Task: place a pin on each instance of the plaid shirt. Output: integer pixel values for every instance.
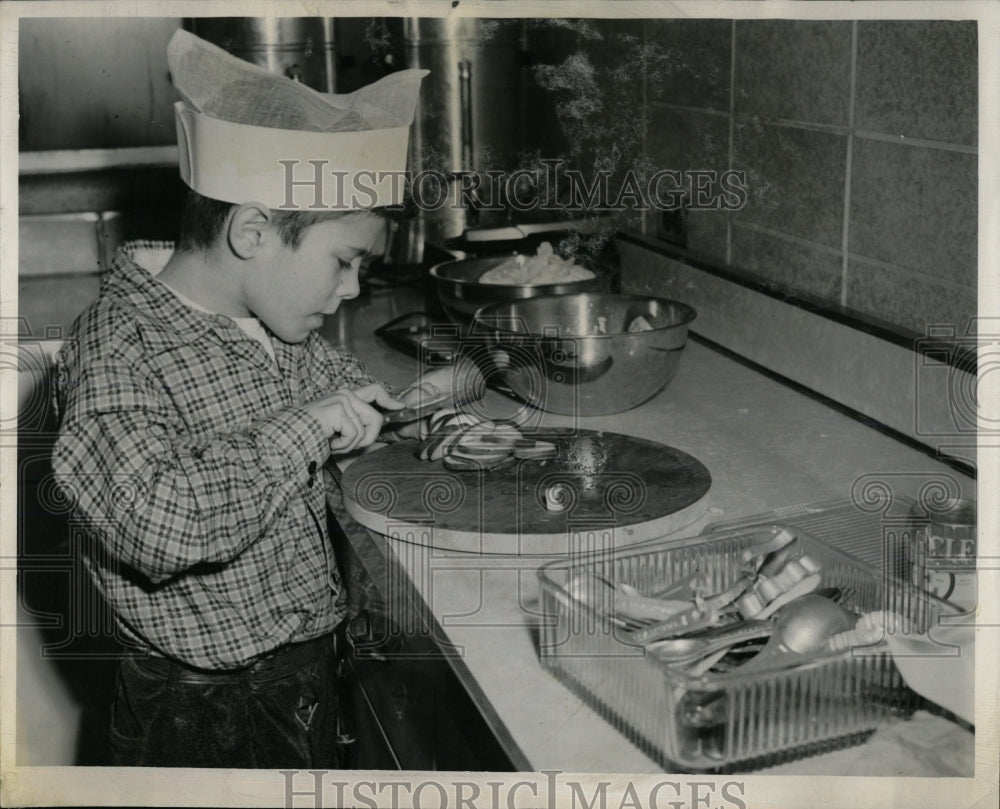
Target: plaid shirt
(183, 447)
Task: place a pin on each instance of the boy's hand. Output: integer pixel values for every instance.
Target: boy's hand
(348, 417)
(463, 382)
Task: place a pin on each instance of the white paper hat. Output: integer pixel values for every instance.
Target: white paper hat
(247, 135)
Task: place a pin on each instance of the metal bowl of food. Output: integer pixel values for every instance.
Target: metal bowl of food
(462, 293)
(586, 354)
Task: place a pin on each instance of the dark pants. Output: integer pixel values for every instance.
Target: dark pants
(281, 712)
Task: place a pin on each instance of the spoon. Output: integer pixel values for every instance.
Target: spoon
(694, 647)
(625, 605)
(801, 631)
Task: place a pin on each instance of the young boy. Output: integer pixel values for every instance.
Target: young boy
(199, 407)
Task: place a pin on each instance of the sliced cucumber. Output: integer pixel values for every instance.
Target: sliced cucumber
(539, 450)
(481, 452)
(442, 450)
(438, 419)
(506, 435)
(433, 442)
(423, 448)
(475, 437)
(462, 419)
(460, 464)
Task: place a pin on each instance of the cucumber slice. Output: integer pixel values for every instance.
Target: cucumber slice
(450, 440)
(541, 449)
(438, 419)
(462, 419)
(475, 437)
(423, 448)
(481, 452)
(506, 435)
(433, 442)
(460, 464)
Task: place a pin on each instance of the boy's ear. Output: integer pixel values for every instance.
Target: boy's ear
(247, 228)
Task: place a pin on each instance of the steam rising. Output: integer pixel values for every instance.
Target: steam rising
(576, 79)
(597, 78)
(378, 38)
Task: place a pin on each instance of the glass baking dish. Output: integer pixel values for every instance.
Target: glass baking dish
(720, 722)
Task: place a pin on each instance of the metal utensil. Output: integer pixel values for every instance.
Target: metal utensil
(627, 605)
(690, 649)
(797, 591)
(461, 294)
(417, 412)
(562, 362)
(800, 634)
(714, 645)
(599, 594)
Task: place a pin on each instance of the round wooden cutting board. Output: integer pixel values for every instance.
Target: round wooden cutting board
(624, 490)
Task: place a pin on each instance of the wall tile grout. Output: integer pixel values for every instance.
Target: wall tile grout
(791, 123)
(648, 225)
(670, 105)
(937, 279)
(846, 235)
(646, 114)
(732, 132)
(833, 129)
(851, 256)
(836, 129)
(922, 143)
(789, 237)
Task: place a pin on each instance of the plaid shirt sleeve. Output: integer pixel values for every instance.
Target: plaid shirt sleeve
(166, 503)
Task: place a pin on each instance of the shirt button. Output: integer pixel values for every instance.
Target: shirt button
(313, 466)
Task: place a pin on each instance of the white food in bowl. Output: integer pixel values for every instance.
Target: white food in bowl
(543, 268)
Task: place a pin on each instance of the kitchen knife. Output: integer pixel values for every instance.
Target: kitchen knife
(417, 412)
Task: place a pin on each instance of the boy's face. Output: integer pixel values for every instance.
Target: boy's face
(292, 288)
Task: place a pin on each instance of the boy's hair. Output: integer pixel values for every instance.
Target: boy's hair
(203, 220)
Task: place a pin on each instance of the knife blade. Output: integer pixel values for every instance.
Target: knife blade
(417, 412)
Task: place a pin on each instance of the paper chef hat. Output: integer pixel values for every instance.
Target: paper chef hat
(247, 135)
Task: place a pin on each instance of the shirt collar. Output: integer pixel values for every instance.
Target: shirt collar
(167, 321)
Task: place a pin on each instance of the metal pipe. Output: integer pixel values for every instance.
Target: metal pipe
(465, 102)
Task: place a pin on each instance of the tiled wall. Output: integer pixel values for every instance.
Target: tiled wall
(859, 140)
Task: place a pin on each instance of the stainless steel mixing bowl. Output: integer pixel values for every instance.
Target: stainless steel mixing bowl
(551, 355)
(461, 294)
